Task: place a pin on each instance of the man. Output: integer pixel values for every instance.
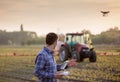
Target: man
(46, 68)
(58, 46)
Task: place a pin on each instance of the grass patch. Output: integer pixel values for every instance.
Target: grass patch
(20, 68)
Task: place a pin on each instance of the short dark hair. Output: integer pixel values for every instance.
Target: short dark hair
(51, 38)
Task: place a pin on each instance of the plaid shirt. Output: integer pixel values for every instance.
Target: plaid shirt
(45, 66)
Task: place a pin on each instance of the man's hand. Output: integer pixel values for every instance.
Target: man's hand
(72, 62)
(58, 75)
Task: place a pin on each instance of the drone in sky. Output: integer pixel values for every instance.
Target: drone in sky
(105, 13)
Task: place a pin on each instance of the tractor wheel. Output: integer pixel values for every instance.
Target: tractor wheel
(76, 55)
(81, 59)
(92, 56)
(63, 54)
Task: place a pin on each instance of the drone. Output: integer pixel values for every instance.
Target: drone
(105, 13)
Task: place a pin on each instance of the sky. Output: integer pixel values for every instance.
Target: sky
(59, 16)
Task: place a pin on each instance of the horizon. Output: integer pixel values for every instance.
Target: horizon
(55, 32)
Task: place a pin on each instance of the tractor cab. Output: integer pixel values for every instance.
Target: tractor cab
(79, 38)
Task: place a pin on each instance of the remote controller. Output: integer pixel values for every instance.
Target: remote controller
(64, 72)
(64, 65)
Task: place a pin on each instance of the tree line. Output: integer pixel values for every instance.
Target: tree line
(19, 38)
(111, 36)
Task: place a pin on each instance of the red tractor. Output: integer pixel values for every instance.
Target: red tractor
(77, 46)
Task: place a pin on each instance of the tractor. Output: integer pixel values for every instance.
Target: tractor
(77, 46)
